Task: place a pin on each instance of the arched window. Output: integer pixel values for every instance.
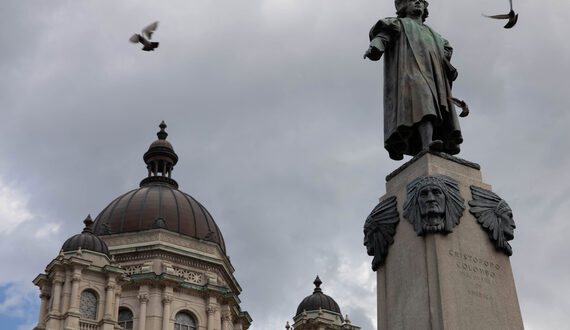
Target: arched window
(88, 305)
(125, 318)
(184, 321)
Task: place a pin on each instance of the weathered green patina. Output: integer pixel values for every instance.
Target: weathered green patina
(418, 110)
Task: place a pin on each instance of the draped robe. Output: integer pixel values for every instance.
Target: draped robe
(417, 85)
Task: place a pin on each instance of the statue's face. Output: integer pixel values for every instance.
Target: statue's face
(508, 225)
(415, 8)
(368, 243)
(431, 201)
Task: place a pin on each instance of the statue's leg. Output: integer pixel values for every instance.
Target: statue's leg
(425, 129)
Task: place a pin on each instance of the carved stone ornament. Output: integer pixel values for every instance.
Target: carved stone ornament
(379, 230)
(495, 216)
(434, 204)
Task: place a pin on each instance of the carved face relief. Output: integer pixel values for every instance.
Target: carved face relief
(495, 216)
(434, 204)
(368, 242)
(431, 202)
(508, 225)
(379, 230)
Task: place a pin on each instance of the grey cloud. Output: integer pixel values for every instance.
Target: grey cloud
(276, 119)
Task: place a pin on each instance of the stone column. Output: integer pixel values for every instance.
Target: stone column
(109, 298)
(238, 326)
(227, 321)
(74, 297)
(57, 283)
(72, 319)
(166, 311)
(66, 290)
(211, 311)
(44, 296)
(217, 318)
(143, 299)
(117, 303)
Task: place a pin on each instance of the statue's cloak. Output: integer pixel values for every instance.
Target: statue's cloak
(417, 85)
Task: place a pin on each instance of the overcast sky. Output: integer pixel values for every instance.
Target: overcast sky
(276, 119)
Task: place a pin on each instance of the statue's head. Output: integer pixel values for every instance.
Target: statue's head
(405, 7)
(433, 204)
(504, 212)
(495, 215)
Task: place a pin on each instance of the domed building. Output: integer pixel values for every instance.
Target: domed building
(153, 259)
(320, 312)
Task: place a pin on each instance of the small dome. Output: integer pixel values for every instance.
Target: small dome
(158, 203)
(318, 300)
(86, 240)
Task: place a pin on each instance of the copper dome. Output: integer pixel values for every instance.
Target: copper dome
(158, 203)
(86, 240)
(318, 300)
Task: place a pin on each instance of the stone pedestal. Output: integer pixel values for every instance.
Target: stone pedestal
(444, 281)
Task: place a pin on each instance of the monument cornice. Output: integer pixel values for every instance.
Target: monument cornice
(443, 155)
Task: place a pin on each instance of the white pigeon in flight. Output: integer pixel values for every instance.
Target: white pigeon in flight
(145, 37)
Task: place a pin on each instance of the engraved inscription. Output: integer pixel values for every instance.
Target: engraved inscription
(475, 264)
(480, 272)
(479, 294)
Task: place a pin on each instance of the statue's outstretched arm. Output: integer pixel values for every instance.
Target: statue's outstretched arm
(381, 35)
(375, 50)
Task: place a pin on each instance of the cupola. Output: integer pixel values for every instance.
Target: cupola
(158, 203)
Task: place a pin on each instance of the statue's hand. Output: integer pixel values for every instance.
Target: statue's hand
(368, 53)
(373, 53)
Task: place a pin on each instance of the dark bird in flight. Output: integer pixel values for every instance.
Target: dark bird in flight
(145, 37)
(511, 16)
(460, 103)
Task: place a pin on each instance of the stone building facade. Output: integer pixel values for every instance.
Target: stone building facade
(154, 259)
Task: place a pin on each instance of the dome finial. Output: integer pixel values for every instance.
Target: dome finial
(318, 300)
(87, 240)
(88, 224)
(162, 133)
(317, 284)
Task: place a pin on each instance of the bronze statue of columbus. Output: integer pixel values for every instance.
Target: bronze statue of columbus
(419, 111)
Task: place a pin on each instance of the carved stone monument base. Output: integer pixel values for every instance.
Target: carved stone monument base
(449, 281)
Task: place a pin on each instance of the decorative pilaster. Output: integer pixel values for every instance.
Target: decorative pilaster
(57, 285)
(44, 296)
(166, 301)
(117, 303)
(211, 311)
(217, 318)
(74, 298)
(66, 291)
(72, 319)
(227, 321)
(109, 299)
(143, 299)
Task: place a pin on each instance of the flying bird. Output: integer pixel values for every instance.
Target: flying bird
(511, 16)
(145, 37)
